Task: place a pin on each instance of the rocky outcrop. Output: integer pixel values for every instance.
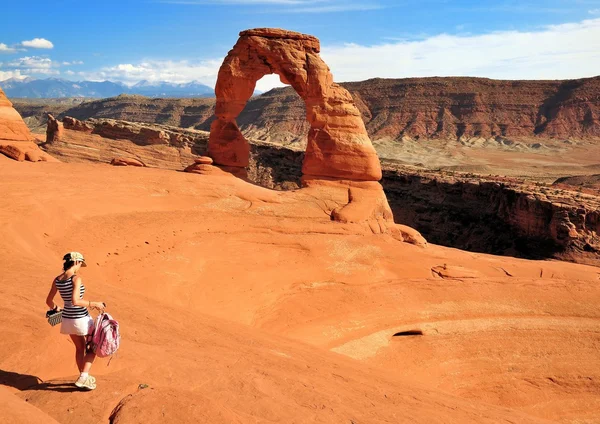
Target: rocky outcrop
(184, 113)
(139, 133)
(584, 183)
(76, 125)
(16, 142)
(12, 127)
(54, 129)
(338, 144)
(127, 162)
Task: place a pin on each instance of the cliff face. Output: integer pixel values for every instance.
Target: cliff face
(451, 108)
(499, 216)
(446, 108)
(417, 108)
(141, 134)
(183, 113)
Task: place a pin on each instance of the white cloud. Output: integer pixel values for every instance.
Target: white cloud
(4, 75)
(5, 49)
(74, 62)
(594, 12)
(69, 72)
(553, 52)
(38, 43)
(159, 70)
(32, 65)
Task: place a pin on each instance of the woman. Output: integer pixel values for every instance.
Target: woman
(76, 320)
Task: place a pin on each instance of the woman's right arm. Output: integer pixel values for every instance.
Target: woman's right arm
(80, 302)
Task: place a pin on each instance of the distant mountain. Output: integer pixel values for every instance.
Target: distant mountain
(168, 89)
(59, 88)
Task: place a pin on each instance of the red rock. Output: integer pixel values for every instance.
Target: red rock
(126, 162)
(205, 160)
(12, 152)
(77, 125)
(54, 129)
(36, 155)
(338, 144)
(12, 126)
(25, 150)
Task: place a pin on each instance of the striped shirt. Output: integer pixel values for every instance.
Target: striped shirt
(65, 288)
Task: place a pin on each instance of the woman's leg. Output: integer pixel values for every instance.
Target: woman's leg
(89, 357)
(79, 342)
(88, 360)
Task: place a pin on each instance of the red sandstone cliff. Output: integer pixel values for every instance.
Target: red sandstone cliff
(446, 108)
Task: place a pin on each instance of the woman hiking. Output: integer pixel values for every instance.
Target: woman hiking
(76, 319)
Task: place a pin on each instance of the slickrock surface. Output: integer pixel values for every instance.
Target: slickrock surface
(516, 341)
(13, 410)
(338, 145)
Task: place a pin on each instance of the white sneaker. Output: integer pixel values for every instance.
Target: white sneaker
(87, 383)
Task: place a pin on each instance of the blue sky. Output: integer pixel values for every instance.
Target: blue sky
(184, 40)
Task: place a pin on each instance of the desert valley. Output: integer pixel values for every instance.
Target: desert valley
(422, 250)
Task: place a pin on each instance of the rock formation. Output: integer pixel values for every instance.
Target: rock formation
(338, 144)
(340, 163)
(139, 133)
(127, 162)
(104, 140)
(16, 142)
(54, 129)
(77, 125)
(12, 127)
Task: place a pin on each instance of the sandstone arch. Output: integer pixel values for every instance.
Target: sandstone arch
(338, 144)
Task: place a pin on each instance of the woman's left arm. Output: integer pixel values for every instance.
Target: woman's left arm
(50, 298)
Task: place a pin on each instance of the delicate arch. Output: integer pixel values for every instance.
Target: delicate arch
(338, 143)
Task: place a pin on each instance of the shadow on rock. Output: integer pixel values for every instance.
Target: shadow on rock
(31, 382)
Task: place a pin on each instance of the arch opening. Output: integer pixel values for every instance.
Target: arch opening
(337, 143)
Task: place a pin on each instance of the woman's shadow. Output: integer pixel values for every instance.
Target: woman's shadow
(24, 382)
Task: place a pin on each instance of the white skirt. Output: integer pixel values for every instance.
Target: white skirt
(78, 326)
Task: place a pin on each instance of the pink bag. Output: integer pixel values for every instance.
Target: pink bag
(106, 337)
